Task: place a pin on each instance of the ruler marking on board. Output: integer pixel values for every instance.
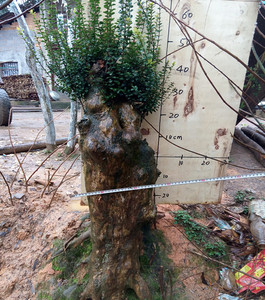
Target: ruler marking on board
(150, 186)
(161, 113)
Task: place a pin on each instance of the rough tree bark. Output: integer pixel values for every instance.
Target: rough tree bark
(37, 79)
(253, 145)
(114, 156)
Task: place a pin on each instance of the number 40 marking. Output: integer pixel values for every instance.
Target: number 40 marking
(181, 69)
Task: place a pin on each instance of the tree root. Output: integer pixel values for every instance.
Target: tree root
(135, 282)
(138, 284)
(73, 242)
(251, 144)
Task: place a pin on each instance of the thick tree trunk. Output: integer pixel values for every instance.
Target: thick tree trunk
(72, 128)
(247, 141)
(37, 80)
(256, 136)
(114, 156)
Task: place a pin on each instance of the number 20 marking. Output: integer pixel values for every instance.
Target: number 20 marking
(173, 116)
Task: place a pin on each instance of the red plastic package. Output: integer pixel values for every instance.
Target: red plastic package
(256, 268)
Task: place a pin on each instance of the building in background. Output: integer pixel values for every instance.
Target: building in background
(12, 46)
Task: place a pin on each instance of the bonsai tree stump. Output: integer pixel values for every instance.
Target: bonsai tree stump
(115, 156)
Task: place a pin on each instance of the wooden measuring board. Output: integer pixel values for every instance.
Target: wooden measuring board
(194, 116)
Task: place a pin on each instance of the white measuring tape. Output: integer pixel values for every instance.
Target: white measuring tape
(151, 186)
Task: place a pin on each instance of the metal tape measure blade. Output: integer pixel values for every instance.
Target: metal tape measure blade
(150, 186)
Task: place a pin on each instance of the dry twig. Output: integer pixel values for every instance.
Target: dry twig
(200, 154)
(50, 179)
(19, 162)
(8, 187)
(63, 180)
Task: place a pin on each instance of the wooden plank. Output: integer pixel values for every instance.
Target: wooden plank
(195, 117)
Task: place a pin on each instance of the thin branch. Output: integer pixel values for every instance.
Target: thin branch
(19, 15)
(263, 6)
(55, 150)
(66, 179)
(260, 126)
(223, 264)
(66, 158)
(12, 145)
(200, 154)
(72, 176)
(63, 180)
(177, 50)
(234, 86)
(209, 258)
(247, 146)
(260, 32)
(5, 4)
(8, 187)
(39, 132)
(182, 26)
(260, 64)
(256, 42)
(250, 114)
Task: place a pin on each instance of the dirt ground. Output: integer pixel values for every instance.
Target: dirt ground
(29, 227)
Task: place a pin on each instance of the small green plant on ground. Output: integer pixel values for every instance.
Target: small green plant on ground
(242, 196)
(215, 249)
(44, 296)
(193, 230)
(245, 211)
(200, 235)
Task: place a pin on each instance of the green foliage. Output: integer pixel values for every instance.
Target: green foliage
(115, 56)
(193, 230)
(44, 296)
(242, 196)
(253, 81)
(245, 211)
(199, 235)
(215, 249)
